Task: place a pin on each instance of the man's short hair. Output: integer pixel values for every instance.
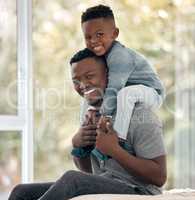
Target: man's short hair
(85, 53)
(100, 11)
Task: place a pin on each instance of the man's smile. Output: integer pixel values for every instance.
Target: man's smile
(89, 91)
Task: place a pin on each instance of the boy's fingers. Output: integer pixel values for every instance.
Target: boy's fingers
(86, 120)
(109, 127)
(89, 143)
(90, 127)
(90, 138)
(90, 133)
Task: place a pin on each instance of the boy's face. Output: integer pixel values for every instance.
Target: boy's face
(99, 34)
(89, 78)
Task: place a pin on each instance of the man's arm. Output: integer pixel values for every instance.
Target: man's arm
(84, 164)
(152, 170)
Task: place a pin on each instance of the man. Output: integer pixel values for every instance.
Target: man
(137, 167)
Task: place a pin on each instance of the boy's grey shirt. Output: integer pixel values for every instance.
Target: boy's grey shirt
(145, 140)
(127, 67)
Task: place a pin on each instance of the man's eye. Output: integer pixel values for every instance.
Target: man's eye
(87, 37)
(89, 76)
(76, 82)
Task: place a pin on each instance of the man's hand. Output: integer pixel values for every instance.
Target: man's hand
(107, 142)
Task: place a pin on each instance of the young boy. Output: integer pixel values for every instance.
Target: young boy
(131, 79)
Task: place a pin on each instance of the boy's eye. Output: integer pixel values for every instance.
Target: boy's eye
(99, 34)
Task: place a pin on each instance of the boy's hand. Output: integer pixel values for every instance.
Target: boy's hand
(91, 117)
(107, 142)
(86, 135)
(102, 123)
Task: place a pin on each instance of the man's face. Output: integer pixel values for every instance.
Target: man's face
(90, 78)
(99, 34)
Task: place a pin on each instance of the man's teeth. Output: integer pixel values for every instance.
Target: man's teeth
(89, 91)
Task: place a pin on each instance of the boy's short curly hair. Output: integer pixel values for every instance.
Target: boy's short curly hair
(100, 11)
(85, 53)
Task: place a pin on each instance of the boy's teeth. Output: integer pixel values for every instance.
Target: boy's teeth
(97, 48)
(89, 91)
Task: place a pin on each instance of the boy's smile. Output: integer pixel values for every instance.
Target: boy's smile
(99, 34)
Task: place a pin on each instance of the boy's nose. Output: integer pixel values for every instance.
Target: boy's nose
(94, 39)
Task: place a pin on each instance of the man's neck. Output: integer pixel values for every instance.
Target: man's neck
(93, 108)
(96, 106)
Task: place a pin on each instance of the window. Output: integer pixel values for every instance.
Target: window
(10, 161)
(185, 96)
(56, 110)
(16, 108)
(8, 75)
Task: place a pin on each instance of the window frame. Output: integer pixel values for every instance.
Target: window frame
(23, 121)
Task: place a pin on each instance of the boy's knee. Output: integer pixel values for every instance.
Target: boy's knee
(128, 94)
(122, 97)
(124, 92)
(130, 90)
(121, 93)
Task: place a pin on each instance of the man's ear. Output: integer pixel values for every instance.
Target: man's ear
(116, 33)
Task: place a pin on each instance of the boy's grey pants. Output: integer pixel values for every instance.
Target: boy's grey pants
(72, 184)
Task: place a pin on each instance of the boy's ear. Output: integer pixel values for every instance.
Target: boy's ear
(116, 33)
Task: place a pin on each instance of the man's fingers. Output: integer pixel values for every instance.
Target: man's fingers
(100, 131)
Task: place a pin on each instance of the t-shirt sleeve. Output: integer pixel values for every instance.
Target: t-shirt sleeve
(148, 140)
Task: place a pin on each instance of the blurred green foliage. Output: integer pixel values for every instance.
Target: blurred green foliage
(147, 26)
(8, 54)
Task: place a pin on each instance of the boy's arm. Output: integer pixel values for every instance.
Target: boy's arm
(85, 136)
(120, 65)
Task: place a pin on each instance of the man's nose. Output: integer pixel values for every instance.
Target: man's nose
(83, 85)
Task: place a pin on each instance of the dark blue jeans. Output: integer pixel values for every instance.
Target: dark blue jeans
(72, 184)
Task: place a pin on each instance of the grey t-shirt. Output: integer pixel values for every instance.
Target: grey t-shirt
(145, 140)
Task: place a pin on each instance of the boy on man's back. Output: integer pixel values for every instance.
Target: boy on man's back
(131, 78)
